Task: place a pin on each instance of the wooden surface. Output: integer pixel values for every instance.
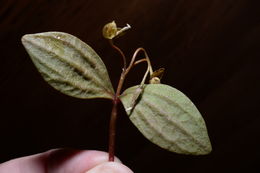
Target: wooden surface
(210, 49)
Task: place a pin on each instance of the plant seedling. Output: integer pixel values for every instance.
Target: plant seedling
(163, 114)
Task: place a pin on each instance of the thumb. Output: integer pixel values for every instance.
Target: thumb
(110, 167)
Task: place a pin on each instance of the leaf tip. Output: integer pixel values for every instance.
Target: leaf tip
(207, 149)
(25, 39)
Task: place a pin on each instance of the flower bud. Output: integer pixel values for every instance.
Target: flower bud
(110, 30)
(156, 76)
(155, 80)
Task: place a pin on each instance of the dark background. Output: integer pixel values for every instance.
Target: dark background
(210, 49)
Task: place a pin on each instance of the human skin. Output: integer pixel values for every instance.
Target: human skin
(65, 161)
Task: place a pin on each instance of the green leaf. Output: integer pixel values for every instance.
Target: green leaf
(69, 65)
(168, 118)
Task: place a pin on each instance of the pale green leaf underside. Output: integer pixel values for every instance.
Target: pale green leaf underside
(169, 119)
(69, 65)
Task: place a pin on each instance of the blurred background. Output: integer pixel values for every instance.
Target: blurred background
(209, 48)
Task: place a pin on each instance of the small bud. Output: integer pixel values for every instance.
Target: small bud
(155, 80)
(156, 76)
(110, 30)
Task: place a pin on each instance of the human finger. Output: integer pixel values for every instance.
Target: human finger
(107, 167)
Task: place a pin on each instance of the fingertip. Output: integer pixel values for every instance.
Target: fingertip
(109, 167)
(74, 161)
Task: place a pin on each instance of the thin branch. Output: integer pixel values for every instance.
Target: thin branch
(120, 51)
(132, 63)
(140, 61)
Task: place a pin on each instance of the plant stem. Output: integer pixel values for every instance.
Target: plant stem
(116, 100)
(112, 125)
(112, 131)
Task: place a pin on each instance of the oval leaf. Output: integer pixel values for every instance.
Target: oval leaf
(69, 65)
(168, 118)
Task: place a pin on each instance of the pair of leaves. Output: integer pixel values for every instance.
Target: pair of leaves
(162, 114)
